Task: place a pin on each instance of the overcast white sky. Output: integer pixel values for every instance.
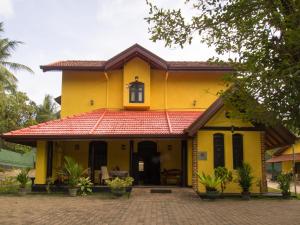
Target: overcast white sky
(55, 30)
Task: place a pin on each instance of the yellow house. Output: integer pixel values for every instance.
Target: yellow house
(156, 120)
(287, 155)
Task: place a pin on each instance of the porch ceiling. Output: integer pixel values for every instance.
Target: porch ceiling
(109, 124)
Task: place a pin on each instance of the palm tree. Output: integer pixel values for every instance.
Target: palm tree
(47, 111)
(7, 78)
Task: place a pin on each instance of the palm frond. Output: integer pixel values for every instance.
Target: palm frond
(16, 66)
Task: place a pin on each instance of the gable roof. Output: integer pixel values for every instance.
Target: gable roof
(105, 123)
(276, 136)
(136, 50)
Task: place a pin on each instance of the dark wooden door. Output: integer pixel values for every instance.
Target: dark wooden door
(148, 163)
(97, 156)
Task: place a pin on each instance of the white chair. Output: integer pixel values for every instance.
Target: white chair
(104, 174)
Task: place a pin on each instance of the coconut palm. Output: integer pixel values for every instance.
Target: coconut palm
(47, 111)
(7, 78)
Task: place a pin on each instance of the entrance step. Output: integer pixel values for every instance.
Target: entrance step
(160, 190)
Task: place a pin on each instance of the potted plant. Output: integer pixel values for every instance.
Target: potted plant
(23, 179)
(73, 170)
(245, 180)
(211, 183)
(85, 186)
(225, 176)
(118, 186)
(284, 181)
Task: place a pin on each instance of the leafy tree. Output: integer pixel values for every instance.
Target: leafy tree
(16, 109)
(261, 39)
(47, 111)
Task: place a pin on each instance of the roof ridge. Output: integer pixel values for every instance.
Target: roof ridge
(168, 121)
(97, 123)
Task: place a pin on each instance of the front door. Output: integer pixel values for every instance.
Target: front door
(148, 163)
(97, 157)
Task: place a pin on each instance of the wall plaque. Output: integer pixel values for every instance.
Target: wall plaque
(202, 155)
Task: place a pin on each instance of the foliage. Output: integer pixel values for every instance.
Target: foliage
(23, 177)
(85, 185)
(16, 110)
(47, 111)
(225, 175)
(73, 171)
(118, 183)
(210, 182)
(245, 178)
(260, 40)
(284, 180)
(9, 185)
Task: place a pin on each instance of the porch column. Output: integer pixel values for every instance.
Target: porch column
(49, 159)
(131, 145)
(91, 162)
(264, 185)
(195, 162)
(184, 163)
(41, 163)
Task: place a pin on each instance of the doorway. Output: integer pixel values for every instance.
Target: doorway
(97, 158)
(148, 163)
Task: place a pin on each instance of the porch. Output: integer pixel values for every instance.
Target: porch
(157, 161)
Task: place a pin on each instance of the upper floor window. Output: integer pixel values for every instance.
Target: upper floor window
(136, 92)
(238, 151)
(219, 158)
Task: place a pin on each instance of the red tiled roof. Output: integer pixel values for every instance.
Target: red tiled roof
(283, 158)
(104, 123)
(136, 50)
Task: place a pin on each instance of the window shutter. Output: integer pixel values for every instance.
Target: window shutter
(219, 159)
(238, 150)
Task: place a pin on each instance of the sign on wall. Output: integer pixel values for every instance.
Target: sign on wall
(202, 155)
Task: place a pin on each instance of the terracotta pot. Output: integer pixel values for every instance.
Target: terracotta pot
(73, 192)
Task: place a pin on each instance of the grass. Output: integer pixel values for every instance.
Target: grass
(274, 190)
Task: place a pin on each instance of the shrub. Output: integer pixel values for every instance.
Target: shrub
(85, 185)
(284, 181)
(225, 175)
(118, 186)
(9, 185)
(23, 177)
(210, 182)
(245, 178)
(73, 171)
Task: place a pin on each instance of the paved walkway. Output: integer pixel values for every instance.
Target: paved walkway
(182, 207)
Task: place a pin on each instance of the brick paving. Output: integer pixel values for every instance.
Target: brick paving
(182, 207)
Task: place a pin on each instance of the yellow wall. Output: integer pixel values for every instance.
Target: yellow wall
(251, 147)
(288, 165)
(141, 69)
(252, 155)
(41, 162)
(183, 88)
(220, 120)
(174, 91)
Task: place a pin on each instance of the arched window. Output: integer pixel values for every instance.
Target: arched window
(136, 92)
(219, 150)
(238, 150)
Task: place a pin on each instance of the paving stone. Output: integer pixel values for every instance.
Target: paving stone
(181, 207)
